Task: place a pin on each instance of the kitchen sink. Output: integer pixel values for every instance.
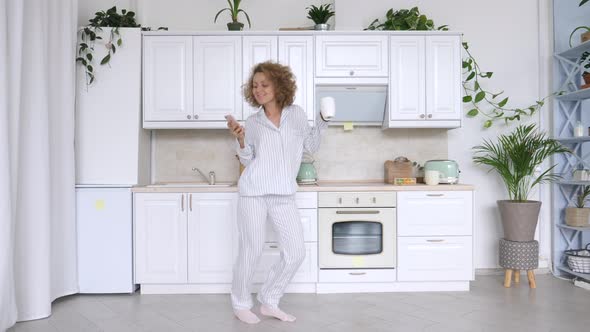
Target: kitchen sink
(192, 185)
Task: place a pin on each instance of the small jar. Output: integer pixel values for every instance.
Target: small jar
(579, 129)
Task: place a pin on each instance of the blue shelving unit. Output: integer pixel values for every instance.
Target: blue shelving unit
(568, 110)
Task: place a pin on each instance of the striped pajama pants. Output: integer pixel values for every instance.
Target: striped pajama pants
(253, 212)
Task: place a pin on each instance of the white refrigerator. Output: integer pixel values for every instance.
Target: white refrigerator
(112, 155)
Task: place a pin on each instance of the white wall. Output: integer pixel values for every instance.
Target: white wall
(503, 35)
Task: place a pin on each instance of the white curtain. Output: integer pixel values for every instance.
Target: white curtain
(37, 190)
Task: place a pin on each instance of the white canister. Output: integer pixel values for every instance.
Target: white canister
(579, 129)
(328, 108)
(431, 178)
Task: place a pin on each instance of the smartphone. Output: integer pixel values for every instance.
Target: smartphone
(231, 119)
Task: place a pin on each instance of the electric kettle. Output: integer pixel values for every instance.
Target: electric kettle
(307, 173)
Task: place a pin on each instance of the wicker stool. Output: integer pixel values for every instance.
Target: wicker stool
(516, 256)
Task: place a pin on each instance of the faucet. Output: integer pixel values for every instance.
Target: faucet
(210, 179)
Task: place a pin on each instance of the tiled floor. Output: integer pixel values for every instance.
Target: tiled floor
(556, 305)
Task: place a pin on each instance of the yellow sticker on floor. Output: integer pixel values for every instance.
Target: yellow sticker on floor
(358, 261)
(99, 204)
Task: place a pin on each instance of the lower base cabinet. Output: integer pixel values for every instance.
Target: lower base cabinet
(308, 271)
(435, 258)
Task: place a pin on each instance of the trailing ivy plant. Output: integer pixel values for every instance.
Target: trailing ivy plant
(109, 18)
(475, 95)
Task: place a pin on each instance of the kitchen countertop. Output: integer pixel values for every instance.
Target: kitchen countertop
(320, 186)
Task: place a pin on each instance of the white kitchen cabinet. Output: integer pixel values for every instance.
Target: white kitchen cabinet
(191, 81)
(184, 238)
(217, 76)
(307, 272)
(212, 237)
(351, 56)
(435, 258)
(256, 49)
(297, 53)
(425, 82)
(160, 246)
(167, 78)
(424, 213)
(435, 235)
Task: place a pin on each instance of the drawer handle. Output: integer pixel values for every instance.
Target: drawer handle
(357, 273)
(440, 240)
(358, 212)
(435, 195)
(273, 247)
(340, 200)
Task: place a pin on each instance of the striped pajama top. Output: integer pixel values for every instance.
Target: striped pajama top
(272, 155)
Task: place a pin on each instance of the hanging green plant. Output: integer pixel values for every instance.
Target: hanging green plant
(482, 102)
(109, 18)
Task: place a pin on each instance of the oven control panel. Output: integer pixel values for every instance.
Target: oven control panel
(356, 199)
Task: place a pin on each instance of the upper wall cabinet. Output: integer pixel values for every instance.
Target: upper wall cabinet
(351, 56)
(167, 78)
(297, 53)
(425, 82)
(191, 82)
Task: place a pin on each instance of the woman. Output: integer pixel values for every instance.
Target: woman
(270, 146)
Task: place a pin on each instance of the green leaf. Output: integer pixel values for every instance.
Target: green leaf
(467, 99)
(489, 74)
(89, 56)
(113, 48)
(119, 42)
(497, 94)
(503, 102)
(105, 59)
(465, 64)
(465, 46)
(473, 112)
(471, 76)
(89, 68)
(480, 96)
(582, 2)
(487, 124)
(476, 85)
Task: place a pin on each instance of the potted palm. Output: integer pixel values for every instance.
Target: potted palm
(320, 16)
(234, 9)
(516, 157)
(579, 216)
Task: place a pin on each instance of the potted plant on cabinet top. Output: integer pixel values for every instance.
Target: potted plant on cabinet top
(320, 16)
(234, 9)
(91, 33)
(579, 216)
(515, 157)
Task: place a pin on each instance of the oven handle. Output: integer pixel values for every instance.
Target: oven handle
(359, 212)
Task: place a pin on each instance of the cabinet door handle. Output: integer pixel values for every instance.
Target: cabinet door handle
(422, 116)
(438, 240)
(196, 116)
(190, 202)
(182, 203)
(351, 73)
(435, 195)
(358, 212)
(374, 199)
(188, 117)
(430, 116)
(339, 200)
(357, 200)
(357, 273)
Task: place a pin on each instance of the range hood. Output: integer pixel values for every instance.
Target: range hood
(363, 105)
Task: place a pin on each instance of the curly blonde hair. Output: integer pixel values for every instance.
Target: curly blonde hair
(282, 79)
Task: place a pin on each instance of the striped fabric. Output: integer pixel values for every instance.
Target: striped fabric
(272, 155)
(253, 211)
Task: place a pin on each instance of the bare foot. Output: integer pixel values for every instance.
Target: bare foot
(247, 316)
(276, 313)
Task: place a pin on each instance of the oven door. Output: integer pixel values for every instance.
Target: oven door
(356, 238)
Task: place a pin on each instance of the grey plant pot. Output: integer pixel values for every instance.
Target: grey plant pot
(235, 26)
(519, 219)
(322, 27)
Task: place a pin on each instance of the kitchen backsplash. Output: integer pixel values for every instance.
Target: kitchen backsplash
(344, 155)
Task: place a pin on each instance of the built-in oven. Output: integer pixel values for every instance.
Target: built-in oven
(356, 230)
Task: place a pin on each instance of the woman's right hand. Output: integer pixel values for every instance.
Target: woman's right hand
(236, 129)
